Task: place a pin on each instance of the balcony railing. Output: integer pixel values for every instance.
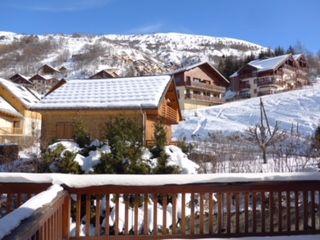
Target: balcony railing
(205, 86)
(143, 207)
(204, 98)
(169, 113)
(10, 131)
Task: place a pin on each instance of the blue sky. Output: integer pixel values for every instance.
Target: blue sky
(268, 22)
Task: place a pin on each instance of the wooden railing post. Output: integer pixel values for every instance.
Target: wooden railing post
(66, 211)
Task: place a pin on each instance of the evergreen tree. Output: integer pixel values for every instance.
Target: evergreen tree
(266, 54)
(278, 51)
(291, 50)
(81, 134)
(158, 151)
(125, 138)
(59, 160)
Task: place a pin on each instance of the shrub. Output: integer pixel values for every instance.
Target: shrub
(124, 137)
(81, 135)
(59, 160)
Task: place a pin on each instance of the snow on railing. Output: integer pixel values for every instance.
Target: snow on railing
(13, 226)
(189, 206)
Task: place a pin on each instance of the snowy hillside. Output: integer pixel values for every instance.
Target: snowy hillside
(299, 106)
(126, 54)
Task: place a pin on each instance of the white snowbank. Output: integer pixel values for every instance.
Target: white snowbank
(68, 145)
(179, 158)
(87, 180)
(13, 219)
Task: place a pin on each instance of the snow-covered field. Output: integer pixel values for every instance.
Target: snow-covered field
(300, 107)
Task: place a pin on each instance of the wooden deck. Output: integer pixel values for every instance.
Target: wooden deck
(195, 210)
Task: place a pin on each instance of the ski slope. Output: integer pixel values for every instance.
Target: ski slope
(300, 107)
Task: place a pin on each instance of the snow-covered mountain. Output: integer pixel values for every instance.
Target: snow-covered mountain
(300, 107)
(127, 54)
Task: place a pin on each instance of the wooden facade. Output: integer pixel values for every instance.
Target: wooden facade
(200, 86)
(59, 124)
(20, 79)
(104, 74)
(27, 124)
(291, 73)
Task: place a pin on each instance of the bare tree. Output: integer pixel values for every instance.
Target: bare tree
(262, 135)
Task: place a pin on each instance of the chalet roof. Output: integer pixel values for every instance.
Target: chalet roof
(189, 67)
(21, 76)
(262, 65)
(7, 108)
(113, 93)
(38, 76)
(106, 72)
(26, 96)
(48, 67)
(297, 56)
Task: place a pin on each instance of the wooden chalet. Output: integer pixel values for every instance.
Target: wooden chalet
(266, 76)
(93, 101)
(16, 118)
(20, 79)
(46, 69)
(200, 85)
(103, 74)
(42, 84)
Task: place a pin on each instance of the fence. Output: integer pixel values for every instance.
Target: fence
(232, 209)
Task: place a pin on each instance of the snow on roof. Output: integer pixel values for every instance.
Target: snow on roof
(297, 56)
(26, 97)
(189, 67)
(269, 63)
(7, 108)
(87, 180)
(112, 93)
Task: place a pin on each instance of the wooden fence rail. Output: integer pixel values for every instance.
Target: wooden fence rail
(183, 211)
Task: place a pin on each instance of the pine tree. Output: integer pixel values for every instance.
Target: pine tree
(81, 134)
(291, 50)
(125, 138)
(278, 51)
(158, 151)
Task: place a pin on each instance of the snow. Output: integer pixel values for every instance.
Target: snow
(151, 52)
(115, 93)
(177, 157)
(87, 180)
(68, 145)
(293, 107)
(10, 221)
(269, 63)
(22, 93)
(7, 108)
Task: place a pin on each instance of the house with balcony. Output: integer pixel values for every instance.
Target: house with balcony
(16, 119)
(94, 101)
(200, 85)
(267, 76)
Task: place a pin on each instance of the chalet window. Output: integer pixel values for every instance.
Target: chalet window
(16, 124)
(64, 130)
(188, 79)
(196, 79)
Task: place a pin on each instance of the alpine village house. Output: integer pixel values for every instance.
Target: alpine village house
(271, 75)
(94, 101)
(17, 121)
(200, 85)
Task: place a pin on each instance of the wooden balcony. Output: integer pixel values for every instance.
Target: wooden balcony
(169, 114)
(210, 206)
(205, 86)
(11, 131)
(204, 98)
